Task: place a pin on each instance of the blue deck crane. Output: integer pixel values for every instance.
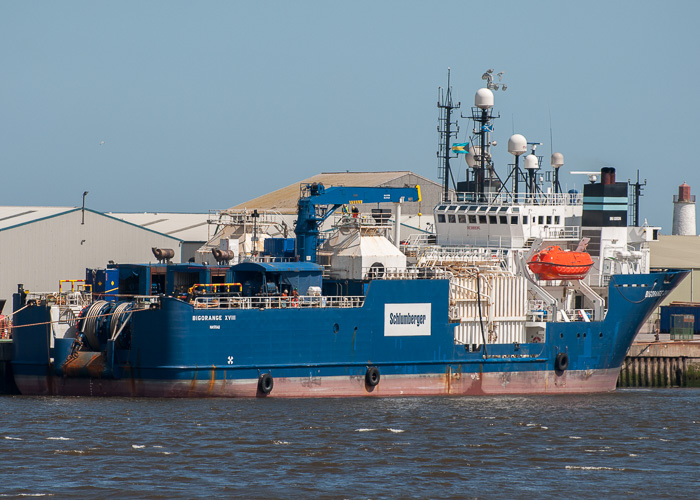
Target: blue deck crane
(309, 218)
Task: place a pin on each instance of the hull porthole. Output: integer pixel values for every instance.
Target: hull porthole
(372, 376)
(266, 383)
(561, 363)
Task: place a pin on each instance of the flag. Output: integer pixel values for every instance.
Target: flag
(460, 147)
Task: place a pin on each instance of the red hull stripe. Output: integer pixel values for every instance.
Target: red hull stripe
(535, 382)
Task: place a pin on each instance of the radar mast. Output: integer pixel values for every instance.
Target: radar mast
(446, 130)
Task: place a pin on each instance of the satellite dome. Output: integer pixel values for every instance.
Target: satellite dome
(483, 99)
(517, 144)
(557, 160)
(531, 162)
(470, 157)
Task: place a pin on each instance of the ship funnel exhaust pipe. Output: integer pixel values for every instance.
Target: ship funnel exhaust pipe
(607, 175)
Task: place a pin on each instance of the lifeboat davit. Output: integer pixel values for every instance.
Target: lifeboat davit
(553, 263)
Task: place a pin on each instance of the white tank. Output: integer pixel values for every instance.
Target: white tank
(557, 160)
(483, 99)
(517, 144)
(531, 162)
(623, 255)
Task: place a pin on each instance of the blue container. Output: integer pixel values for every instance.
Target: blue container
(104, 282)
(279, 247)
(668, 311)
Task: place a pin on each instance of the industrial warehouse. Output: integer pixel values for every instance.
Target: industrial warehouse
(42, 245)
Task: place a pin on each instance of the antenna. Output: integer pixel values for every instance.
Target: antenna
(445, 123)
(488, 76)
(634, 201)
(551, 140)
(592, 176)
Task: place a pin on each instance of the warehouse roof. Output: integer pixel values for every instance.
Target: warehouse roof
(11, 217)
(17, 216)
(285, 199)
(186, 227)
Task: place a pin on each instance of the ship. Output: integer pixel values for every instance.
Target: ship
(346, 308)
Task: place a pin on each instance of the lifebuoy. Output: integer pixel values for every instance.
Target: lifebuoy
(266, 383)
(295, 302)
(372, 376)
(561, 363)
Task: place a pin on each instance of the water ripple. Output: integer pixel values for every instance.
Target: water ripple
(471, 447)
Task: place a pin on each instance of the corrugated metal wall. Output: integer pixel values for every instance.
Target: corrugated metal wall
(41, 253)
(503, 308)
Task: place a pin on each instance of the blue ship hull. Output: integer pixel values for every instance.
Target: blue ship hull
(177, 350)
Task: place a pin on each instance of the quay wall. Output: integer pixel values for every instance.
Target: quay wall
(661, 364)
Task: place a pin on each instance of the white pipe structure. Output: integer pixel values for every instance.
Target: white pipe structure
(397, 226)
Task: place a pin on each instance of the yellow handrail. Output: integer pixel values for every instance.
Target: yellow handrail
(85, 287)
(215, 287)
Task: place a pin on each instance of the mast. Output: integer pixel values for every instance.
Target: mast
(636, 194)
(445, 105)
(482, 116)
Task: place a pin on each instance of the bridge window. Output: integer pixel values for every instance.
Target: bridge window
(462, 218)
(472, 219)
(492, 219)
(482, 219)
(540, 219)
(514, 219)
(451, 219)
(441, 217)
(524, 219)
(503, 219)
(556, 219)
(549, 219)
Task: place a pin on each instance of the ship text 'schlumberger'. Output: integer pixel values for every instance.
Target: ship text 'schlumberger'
(407, 319)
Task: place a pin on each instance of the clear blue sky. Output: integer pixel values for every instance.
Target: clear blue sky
(204, 105)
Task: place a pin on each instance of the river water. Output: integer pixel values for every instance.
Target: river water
(627, 444)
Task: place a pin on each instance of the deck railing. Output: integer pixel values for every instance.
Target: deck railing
(306, 301)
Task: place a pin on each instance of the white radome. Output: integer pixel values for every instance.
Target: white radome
(517, 144)
(483, 99)
(470, 157)
(531, 162)
(557, 160)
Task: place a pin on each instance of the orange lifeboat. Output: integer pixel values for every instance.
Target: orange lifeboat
(553, 263)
